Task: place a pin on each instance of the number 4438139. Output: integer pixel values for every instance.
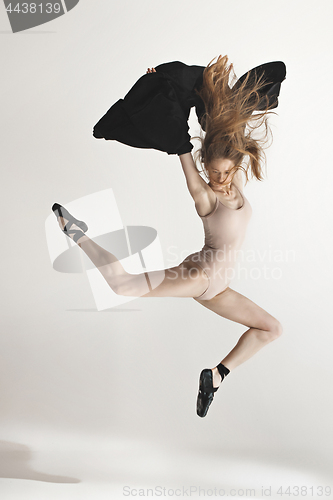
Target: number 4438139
(303, 491)
(34, 8)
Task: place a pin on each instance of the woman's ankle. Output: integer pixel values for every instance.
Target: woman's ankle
(219, 373)
(217, 379)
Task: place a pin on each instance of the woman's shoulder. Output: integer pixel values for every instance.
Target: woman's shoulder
(205, 201)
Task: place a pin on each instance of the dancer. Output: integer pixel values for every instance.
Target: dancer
(225, 211)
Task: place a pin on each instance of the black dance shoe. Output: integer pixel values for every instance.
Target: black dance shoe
(206, 392)
(60, 211)
(206, 389)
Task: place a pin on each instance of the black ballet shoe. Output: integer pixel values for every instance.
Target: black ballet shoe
(206, 389)
(60, 211)
(206, 392)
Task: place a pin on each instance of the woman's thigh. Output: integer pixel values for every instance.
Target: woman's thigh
(185, 280)
(236, 307)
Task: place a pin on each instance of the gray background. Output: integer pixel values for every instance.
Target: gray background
(108, 399)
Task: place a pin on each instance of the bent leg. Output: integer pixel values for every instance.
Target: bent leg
(263, 327)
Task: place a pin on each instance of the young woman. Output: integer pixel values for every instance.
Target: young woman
(228, 149)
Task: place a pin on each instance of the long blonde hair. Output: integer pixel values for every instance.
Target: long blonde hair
(229, 122)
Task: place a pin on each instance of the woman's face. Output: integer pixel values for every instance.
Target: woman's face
(219, 172)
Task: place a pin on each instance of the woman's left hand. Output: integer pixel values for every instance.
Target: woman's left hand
(152, 70)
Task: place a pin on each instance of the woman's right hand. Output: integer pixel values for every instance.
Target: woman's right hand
(152, 70)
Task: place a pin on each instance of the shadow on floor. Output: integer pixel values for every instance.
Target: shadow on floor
(14, 464)
(104, 310)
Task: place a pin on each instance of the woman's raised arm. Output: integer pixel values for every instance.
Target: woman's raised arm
(196, 185)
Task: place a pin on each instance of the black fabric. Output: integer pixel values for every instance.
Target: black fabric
(154, 113)
(273, 74)
(223, 370)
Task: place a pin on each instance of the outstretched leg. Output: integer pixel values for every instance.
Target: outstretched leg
(185, 280)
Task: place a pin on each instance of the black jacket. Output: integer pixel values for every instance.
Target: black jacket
(155, 111)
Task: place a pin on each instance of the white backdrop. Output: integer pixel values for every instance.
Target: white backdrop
(102, 400)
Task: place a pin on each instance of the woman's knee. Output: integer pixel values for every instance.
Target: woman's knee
(269, 331)
(275, 329)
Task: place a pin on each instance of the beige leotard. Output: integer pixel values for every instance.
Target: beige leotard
(225, 230)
